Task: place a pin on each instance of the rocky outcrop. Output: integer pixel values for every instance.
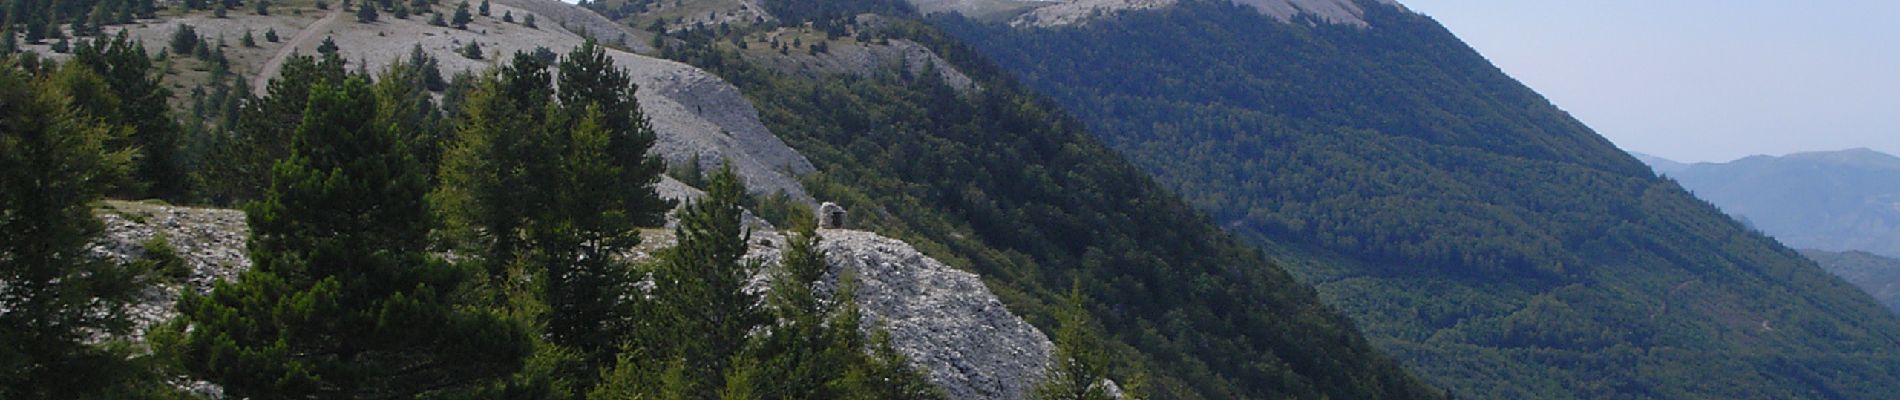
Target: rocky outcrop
(699, 115)
(1076, 12)
(945, 320)
(210, 241)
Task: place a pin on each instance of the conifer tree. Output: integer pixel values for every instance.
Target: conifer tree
(699, 286)
(1078, 369)
(518, 146)
(343, 300)
(589, 78)
(461, 18)
(485, 190)
(366, 12)
(8, 44)
(263, 131)
(484, 8)
(328, 46)
(55, 160)
(143, 98)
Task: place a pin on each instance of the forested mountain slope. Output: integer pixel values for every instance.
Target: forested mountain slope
(999, 182)
(1834, 200)
(1474, 230)
(1879, 276)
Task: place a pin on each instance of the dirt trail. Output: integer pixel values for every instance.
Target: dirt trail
(260, 84)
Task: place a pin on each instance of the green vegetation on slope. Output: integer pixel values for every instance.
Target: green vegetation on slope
(1480, 234)
(351, 297)
(1879, 276)
(1000, 183)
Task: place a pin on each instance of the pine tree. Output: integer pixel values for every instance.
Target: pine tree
(54, 161)
(247, 40)
(328, 46)
(484, 183)
(1079, 368)
(184, 39)
(344, 301)
(366, 13)
(483, 9)
(700, 284)
(518, 146)
(128, 71)
(427, 66)
(8, 44)
(461, 18)
(261, 7)
(472, 51)
(270, 35)
(528, 21)
(589, 78)
(242, 166)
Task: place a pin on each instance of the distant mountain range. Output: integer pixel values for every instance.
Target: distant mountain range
(1837, 201)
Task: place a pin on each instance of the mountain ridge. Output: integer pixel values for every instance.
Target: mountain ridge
(1480, 234)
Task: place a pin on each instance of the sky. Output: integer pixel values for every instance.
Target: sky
(1701, 80)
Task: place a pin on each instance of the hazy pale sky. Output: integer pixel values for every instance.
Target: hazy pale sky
(1701, 80)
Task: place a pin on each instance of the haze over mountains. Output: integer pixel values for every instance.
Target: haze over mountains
(1841, 207)
(1837, 200)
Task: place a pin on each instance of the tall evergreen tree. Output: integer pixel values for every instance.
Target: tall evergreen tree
(344, 301)
(700, 284)
(461, 18)
(54, 294)
(1079, 368)
(133, 79)
(485, 189)
(366, 12)
(558, 189)
(589, 78)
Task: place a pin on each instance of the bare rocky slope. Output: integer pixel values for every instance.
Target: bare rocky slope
(694, 113)
(1054, 13)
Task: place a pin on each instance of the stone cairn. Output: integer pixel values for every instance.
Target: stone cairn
(830, 216)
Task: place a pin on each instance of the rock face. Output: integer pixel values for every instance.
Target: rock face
(1075, 12)
(945, 320)
(211, 242)
(698, 114)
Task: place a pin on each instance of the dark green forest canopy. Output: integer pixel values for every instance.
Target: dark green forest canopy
(999, 182)
(1473, 229)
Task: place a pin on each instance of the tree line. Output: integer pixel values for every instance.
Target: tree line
(408, 247)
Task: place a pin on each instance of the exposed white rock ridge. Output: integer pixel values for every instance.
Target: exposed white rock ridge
(1057, 13)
